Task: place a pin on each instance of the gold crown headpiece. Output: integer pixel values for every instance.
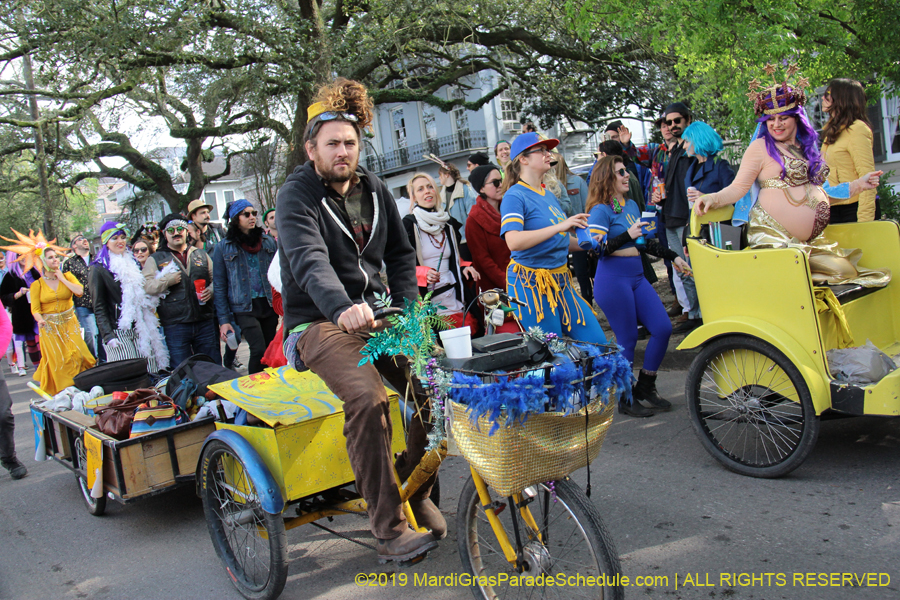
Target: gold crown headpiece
(779, 97)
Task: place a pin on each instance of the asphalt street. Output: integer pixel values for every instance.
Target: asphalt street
(673, 512)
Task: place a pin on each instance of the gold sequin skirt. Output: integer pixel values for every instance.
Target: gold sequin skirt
(828, 262)
(63, 352)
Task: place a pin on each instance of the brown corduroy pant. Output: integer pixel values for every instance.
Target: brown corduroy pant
(333, 355)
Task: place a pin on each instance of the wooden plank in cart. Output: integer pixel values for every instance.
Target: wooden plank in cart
(147, 460)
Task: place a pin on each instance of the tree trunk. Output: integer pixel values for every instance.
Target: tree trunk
(310, 10)
(49, 229)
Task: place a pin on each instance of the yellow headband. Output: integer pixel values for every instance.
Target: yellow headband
(315, 110)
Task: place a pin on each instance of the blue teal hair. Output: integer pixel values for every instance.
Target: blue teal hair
(704, 138)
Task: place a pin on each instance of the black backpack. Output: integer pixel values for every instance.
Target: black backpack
(194, 376)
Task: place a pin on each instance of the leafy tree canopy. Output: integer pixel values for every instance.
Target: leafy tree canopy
(213, 71)
(718, 46)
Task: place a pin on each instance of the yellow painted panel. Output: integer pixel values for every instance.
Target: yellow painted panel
(93, 448)
(309, 456)
(263, 441)
(280, 396)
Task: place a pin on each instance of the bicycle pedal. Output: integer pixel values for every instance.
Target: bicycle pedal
(407, 560)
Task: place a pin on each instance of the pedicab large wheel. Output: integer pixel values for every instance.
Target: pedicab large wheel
(250, 541)
(750, 407)
(573, 542)
(95, 506)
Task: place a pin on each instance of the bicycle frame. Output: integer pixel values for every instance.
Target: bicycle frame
(511, 554)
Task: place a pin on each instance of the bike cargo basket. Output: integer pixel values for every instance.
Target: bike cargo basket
(547, 447)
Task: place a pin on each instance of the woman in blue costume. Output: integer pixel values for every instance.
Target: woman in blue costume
(537, 232)
(620, 288)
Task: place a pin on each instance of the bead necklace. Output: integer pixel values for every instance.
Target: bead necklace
(617, 208)
(432, 239)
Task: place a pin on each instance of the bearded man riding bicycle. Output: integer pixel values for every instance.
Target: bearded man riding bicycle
(338, 223)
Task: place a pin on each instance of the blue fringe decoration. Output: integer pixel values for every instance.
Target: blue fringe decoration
(611, 370)
(518, 398)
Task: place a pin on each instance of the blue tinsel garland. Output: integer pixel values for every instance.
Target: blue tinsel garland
(518, 398)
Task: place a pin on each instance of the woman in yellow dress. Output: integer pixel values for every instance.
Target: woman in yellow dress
(65, 354)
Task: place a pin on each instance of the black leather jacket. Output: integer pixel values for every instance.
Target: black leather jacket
(106, 294)
(180, 304)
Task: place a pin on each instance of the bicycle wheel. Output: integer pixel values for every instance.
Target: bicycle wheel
(573, 543)
(250, 541)
(750, 407)
(95, 506)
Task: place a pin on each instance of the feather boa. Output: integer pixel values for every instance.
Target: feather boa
(509, 402)
(138, 308)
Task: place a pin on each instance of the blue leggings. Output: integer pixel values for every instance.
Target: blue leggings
(625, 295)
(572, 315)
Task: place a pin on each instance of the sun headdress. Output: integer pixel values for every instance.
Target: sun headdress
(30, 249)
(780, 96)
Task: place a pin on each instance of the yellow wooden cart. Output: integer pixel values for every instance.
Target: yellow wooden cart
(758, 387)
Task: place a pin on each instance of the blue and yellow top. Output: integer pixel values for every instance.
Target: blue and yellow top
(526, 209)
(604, 220)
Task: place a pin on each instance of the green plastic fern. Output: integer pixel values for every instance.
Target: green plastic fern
(412, 333)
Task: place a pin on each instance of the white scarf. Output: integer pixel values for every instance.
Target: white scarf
(431, 223)
(138, 308)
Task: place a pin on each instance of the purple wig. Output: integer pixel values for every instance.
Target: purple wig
(114, 228)
(16, 268)
(806, 136)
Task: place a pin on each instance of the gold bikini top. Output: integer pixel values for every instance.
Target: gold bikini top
(796, 171)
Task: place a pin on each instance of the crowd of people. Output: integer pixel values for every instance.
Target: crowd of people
(525, 224)
(185, 286)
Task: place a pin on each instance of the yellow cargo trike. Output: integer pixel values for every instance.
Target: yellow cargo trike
(759, 385)
(289, 467)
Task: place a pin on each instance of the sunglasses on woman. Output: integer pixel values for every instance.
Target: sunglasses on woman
(675, 121)
(141, 250)
(249, 213)
(494, 182)
(621, 172)
(540, 149)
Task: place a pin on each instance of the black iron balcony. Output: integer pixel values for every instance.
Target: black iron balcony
(461, 141)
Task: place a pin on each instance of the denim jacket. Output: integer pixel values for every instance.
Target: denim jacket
(231, 275)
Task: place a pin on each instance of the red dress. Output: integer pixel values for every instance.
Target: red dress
(274, 356)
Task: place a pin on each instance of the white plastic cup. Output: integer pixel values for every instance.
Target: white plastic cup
(457, 342)
(231, 340)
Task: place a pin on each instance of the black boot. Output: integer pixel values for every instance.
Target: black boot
(645, 390)
(634, 409)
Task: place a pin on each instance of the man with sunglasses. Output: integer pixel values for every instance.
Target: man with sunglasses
(78, 264)
(175, 272)
(199, 212)
(675, 207)
(337, 225)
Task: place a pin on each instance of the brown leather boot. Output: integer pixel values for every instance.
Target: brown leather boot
(406, 546)
(429, 516)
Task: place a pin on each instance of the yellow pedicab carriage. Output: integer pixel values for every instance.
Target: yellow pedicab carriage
(759, 385)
